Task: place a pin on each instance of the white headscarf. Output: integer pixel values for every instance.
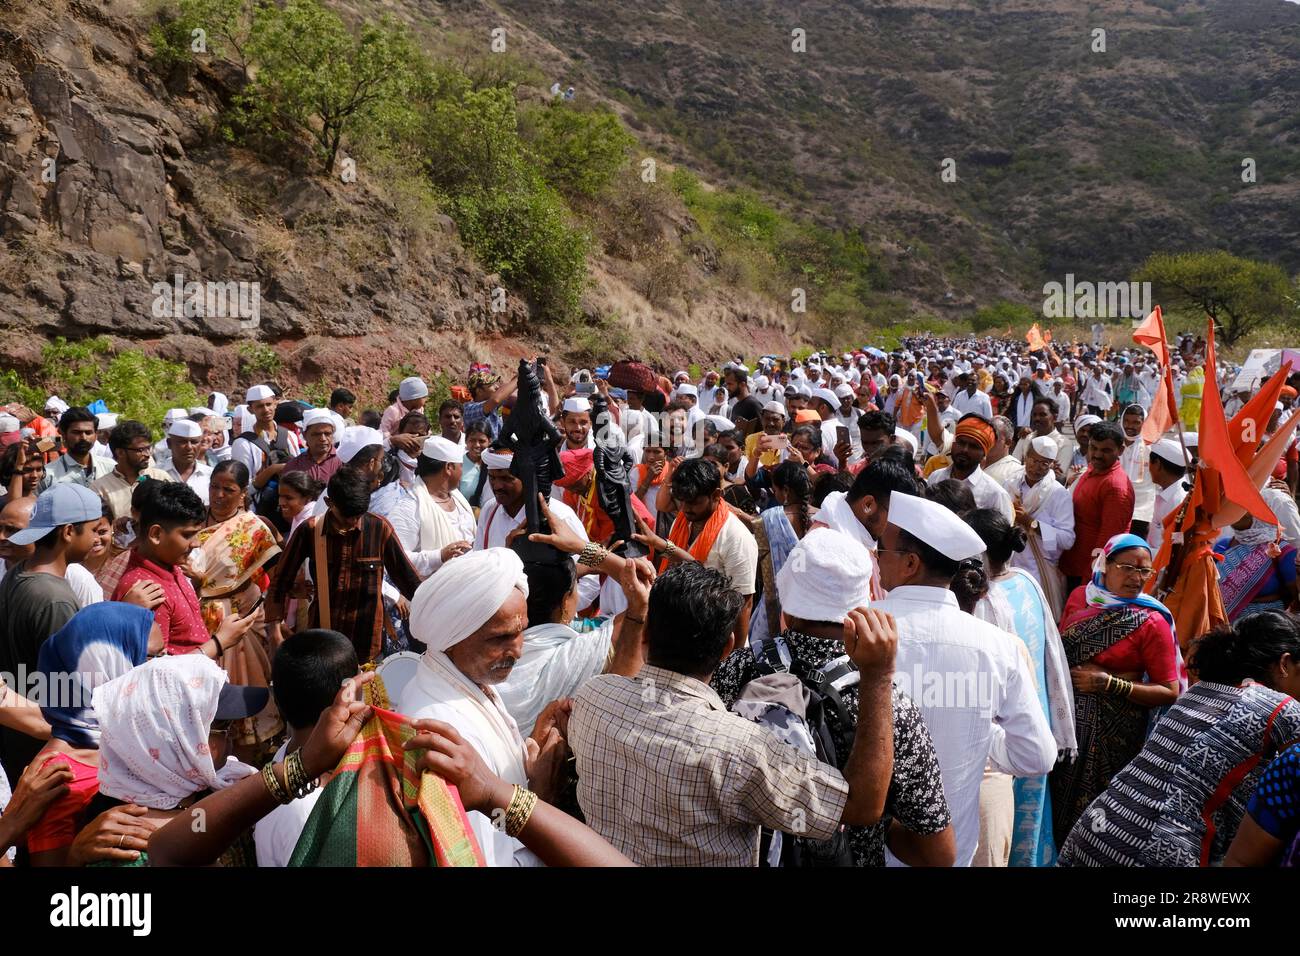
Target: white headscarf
(154, 722)
(463, 595)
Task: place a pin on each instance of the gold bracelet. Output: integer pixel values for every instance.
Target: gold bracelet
(273, 786)
(519, 811)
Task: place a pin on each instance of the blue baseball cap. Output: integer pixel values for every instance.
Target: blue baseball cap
(61, 504)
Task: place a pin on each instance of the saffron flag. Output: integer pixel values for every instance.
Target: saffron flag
(1226, 480)
(1248, 426)
(1034, 337)
(1151, 333)
(1164, 406)
(1261, 467)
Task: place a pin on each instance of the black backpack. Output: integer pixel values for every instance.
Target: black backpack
(823, 688)
(266, 503)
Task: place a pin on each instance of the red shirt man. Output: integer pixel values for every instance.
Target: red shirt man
(1103, 500)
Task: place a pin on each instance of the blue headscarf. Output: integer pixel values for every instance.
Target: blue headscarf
(1099, 596)
(100, 642)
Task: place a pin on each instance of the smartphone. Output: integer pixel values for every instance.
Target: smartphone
(585, 388)
(256, 604)
(841, 434)
(227, 423)
(45, 445)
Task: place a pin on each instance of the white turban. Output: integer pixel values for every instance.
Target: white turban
(495, 461)
(463, 595)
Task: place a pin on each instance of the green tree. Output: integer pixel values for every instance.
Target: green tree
(1240, 295)
(221, 27)
(316, 77)
(579, 152)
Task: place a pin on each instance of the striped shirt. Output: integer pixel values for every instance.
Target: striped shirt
(356, 562)
(670, 777)
(1152, 814)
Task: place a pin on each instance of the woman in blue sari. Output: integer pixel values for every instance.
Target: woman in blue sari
(778, 529)
(1018, 605)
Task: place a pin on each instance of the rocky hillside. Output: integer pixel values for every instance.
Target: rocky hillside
(1067, 159)
(114, 179)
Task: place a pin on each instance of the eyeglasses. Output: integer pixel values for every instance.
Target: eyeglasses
(1143, 573)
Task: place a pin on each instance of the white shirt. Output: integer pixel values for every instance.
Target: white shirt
(976, 693)
(1062, 405)
(1097, 392)
(198, 479)
(988, 493)
(84, 585)
(1055, 517)
(1005, 470)
(1167, 500)
(494, 524)
(735, 554)
(276, 835)
(1136, 462)
(426, 556)
(979, 403)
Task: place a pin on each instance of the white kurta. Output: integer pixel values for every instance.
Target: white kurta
(1136, 462)
(988, 493)
(1055, 518)
(966, 676)
(424, 528)
(1167, 500)
(494, 524)
(556, 661)
(441, 692)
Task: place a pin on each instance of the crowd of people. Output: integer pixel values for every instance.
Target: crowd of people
(898, 608)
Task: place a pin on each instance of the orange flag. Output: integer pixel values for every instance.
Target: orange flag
(1151, 333)
(1226, 480)
(1261, 467)
(1248, 426)
(1034, 337)
(1164, 406)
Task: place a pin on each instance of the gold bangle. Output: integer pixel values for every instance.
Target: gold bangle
(278, 793)
(519, 811)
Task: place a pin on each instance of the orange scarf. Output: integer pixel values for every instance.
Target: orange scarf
(654, 482)
(681, 532)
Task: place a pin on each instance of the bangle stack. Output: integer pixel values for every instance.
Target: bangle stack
(273, 785)
(296, 777)
(1117, 686)
(593, 555)
(519, 811)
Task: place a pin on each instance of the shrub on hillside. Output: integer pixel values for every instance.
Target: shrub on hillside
(579, 152)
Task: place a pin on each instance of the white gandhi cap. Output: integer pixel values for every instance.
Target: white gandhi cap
(934, 524)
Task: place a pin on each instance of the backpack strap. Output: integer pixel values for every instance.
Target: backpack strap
(767, 656)
(322, 573)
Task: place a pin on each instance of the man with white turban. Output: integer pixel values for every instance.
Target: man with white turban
(506, 512)
(471, 616)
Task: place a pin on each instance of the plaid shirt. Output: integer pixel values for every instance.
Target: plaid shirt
(357, 561)
(671, 778)
(473, 412)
